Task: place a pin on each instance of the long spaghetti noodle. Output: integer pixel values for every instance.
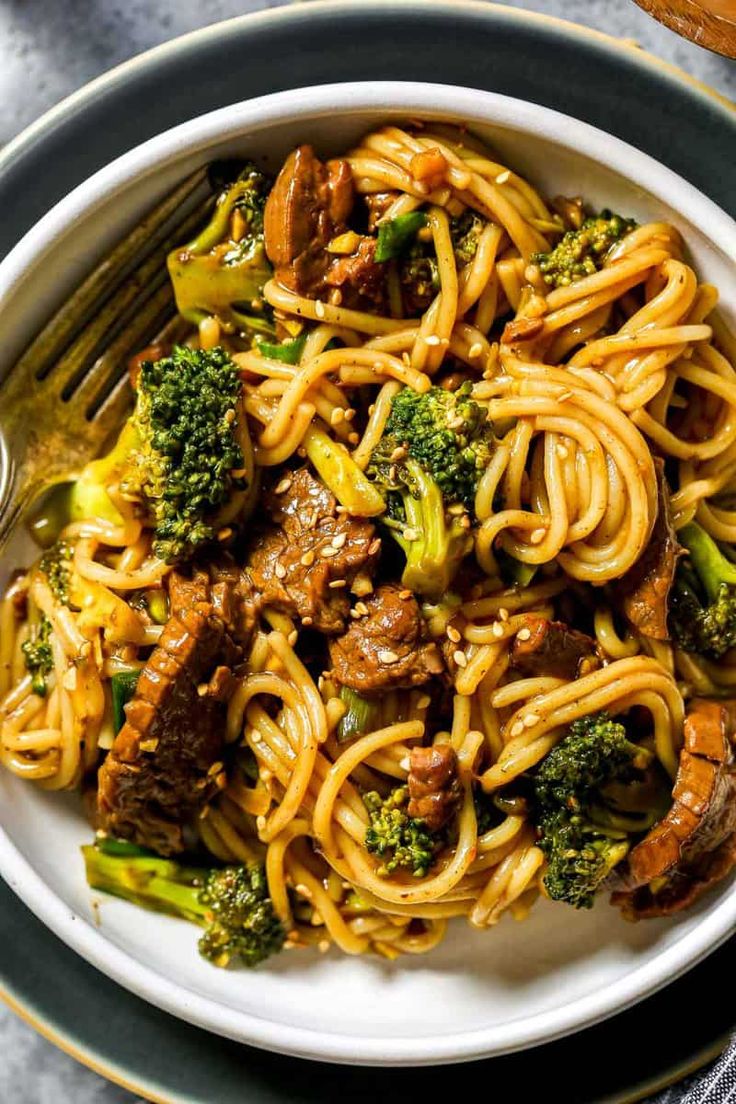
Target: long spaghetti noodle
(585, 384)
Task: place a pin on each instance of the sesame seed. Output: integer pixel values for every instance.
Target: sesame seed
(319, 308)
(424, 702)
(517, 729)
(432, 339)
(497, 629)
(410, 534)
(524, 634)
(307, 621)
(202, 689)
(565, 396)
(341, 510)
(371, 409)
(399, 453)
(475, 350)
(328, 551)
(293, 637)
(530, 720)
(302, 890)
(307, 559)
(336, 584)
(453, 634)
(405, 595)
(256, 737)
(374, 546)
(350, 414)
(283, 485)
(503, 615)
(460, 658)
(215, 768)
(150, 745)
(387, 656)
(339, 540)
(461, 179)
(280, 571)
(336, 297)
(361, 609)
(224, 533)
(537, 535)
(353, 438)
(337, 416)
(456, 509)
(405, 763)
(260, 823)
(561, 452)
(503, 177)
(323, 946)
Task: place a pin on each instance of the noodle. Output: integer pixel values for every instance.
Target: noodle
(586, 385)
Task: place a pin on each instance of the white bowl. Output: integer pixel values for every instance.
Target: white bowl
(480, 993)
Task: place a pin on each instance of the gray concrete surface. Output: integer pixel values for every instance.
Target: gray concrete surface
(51, 48)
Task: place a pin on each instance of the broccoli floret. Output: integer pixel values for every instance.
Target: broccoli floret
(231, 903)
(429, 460)
(56, 567)
(582, 252)
(592, 792)
(37, 656)
(702, 616)
(222, 272)
(446, 432)
(418, 269)
(178, 453)
(402, 841)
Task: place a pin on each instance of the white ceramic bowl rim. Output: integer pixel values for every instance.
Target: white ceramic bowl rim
(257, 115)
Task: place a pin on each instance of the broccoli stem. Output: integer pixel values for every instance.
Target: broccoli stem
(147, 881)
(711, 566)
(337, 469)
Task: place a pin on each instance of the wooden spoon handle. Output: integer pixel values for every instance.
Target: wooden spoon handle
(710, 23)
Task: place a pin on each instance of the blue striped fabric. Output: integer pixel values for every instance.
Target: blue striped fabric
(714, 1085)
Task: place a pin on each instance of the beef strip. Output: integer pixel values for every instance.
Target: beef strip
(434, 787)
(307, 208)
(553, 649)
(159, 770)
(694, 844)
(643, 592)
(386, 647)
(310, 545)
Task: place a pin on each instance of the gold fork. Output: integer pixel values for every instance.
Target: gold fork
(61, 401)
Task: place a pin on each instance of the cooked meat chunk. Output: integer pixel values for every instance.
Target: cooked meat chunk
(307, 209)
(378, 204)
(434, 787)
(644, 590)
(385, 647)
(552, 649)
(694, 845)
(159, 770)
(358, 271)
(223, 584)
(309, 546)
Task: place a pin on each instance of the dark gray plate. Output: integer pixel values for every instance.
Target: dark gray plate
(600, 80)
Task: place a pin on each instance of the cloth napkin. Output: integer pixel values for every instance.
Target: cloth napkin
(714, 1085)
